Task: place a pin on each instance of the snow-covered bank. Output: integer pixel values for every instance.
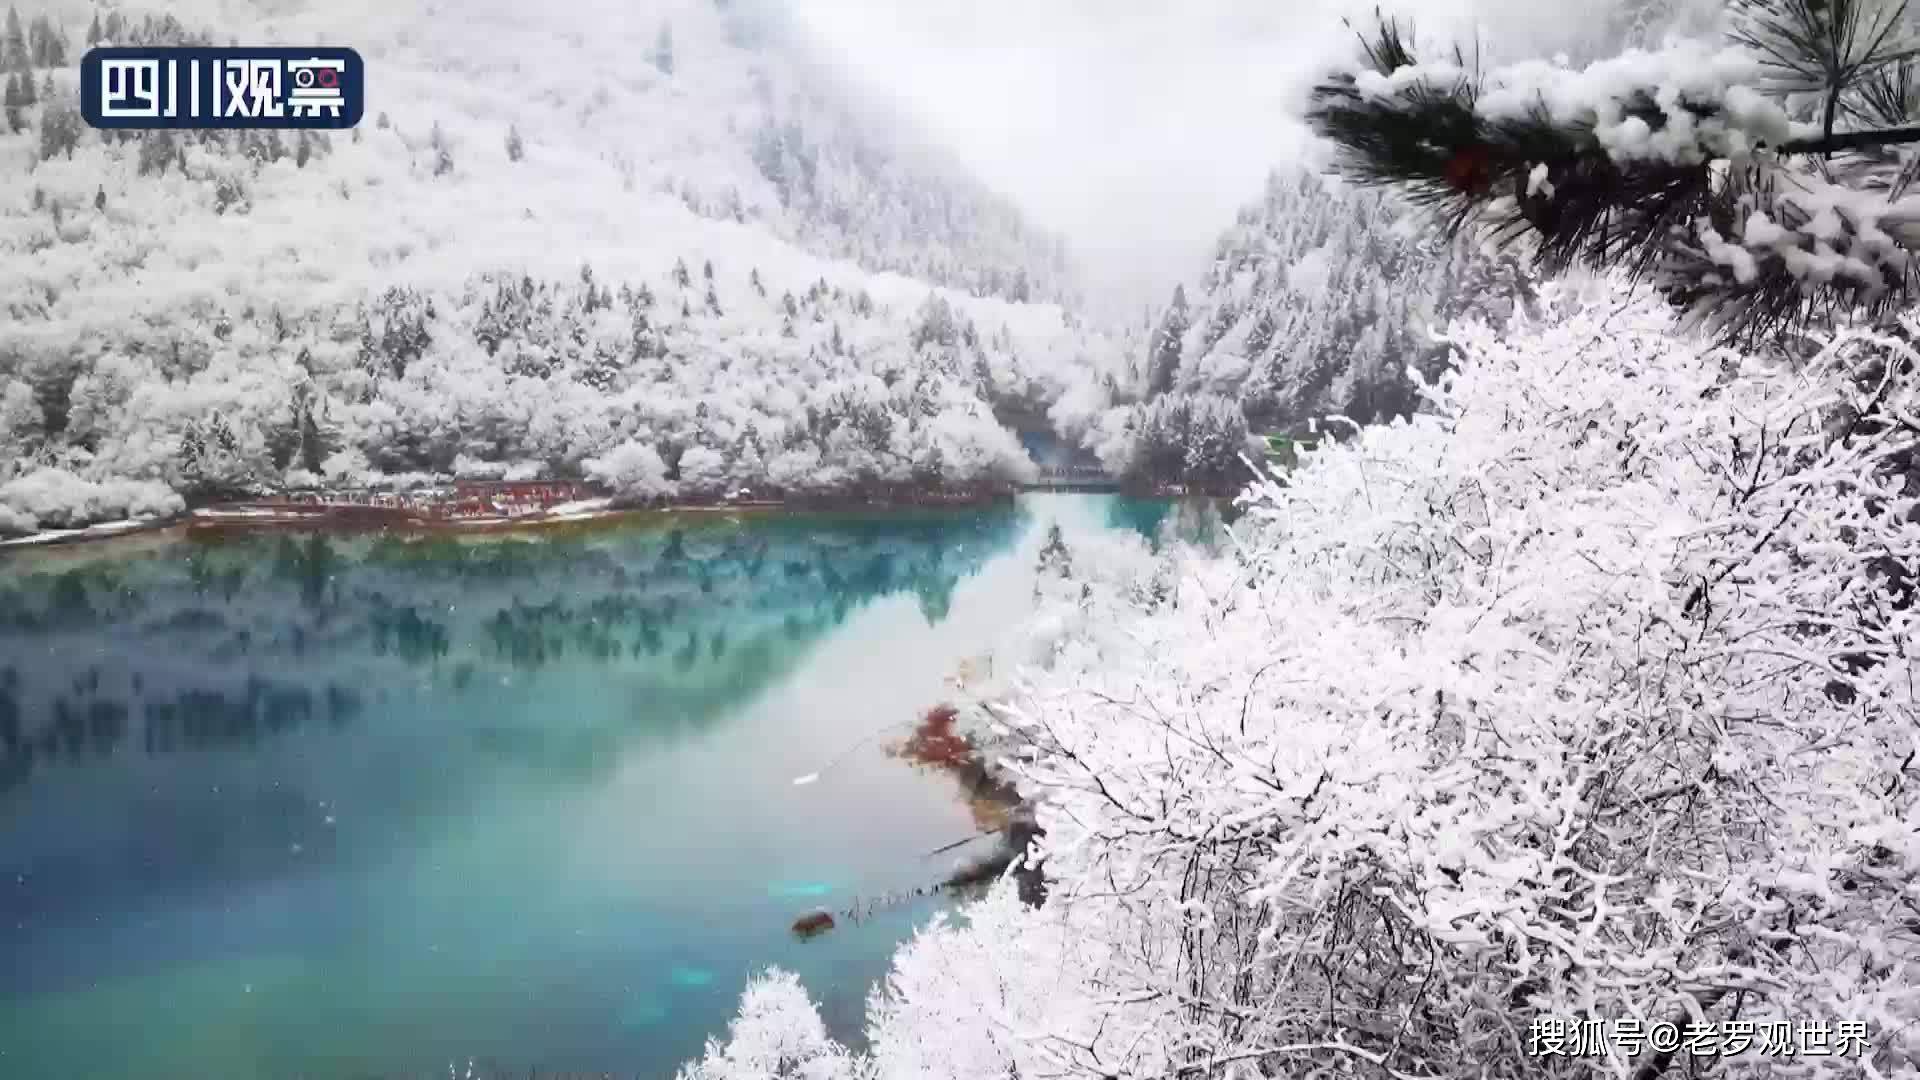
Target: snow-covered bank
(1588, 697)
(103, 531)
(350, 517)
(704, 270)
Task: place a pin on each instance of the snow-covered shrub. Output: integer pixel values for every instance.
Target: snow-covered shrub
(469, 468)
(56, 498)
(777, 1034)
(1588, 696)
(16, 522)
(346, 468)
(632, 470)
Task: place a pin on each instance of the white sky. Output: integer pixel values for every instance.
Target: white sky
(1136, 127)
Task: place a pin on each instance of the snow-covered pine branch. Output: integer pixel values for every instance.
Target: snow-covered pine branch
(1654, 161)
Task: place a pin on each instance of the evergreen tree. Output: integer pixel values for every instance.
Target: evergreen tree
(60, 128)
(681, 275)
(28, 95)
(754, 279)
(46, 44)
(663, 49)
(100, 199)
(220, 435)
(191, 459)
(1164, 351)
(156, 151)
(1055, 557)
(516, 150)
(14, 54)
(1740, 220)
(229, 193)
(442, 153)
(317, 440)
(713, 301)
(283, 439)
(93, 31)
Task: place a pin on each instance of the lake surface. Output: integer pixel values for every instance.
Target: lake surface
(325, 805)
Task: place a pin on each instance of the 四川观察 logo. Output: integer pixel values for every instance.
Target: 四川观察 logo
(314, 87)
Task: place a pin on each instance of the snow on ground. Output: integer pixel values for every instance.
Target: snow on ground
(765, 266)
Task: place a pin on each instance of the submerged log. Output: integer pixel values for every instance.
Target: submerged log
(1013, 853)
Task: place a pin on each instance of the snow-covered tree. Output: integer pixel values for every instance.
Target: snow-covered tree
(663, 49)
(633, 470)
(777, 1036)
(1584, 695)
(15, 105)
(442, 151)
(703, 470)
(1163, 360)
(60, 129)
(14, 54)
(46, 43)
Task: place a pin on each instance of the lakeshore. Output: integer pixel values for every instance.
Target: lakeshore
(474, 508)
(506, 506)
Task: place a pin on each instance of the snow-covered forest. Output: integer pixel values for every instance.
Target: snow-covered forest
(1563, 727)
(1319, 300)
(712, 270)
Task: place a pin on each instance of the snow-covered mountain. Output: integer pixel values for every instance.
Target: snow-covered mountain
(1318, 299)
(654, 241)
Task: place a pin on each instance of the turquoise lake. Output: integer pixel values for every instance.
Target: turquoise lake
(296, 805)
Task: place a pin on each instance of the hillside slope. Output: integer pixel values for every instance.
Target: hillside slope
(1318, 302)
(536, 256)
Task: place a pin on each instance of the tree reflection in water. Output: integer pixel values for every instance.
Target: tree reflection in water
(229, 642)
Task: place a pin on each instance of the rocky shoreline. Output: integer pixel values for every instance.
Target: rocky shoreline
(937, 744)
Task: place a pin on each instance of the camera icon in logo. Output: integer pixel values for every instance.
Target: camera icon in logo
(316, 86)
